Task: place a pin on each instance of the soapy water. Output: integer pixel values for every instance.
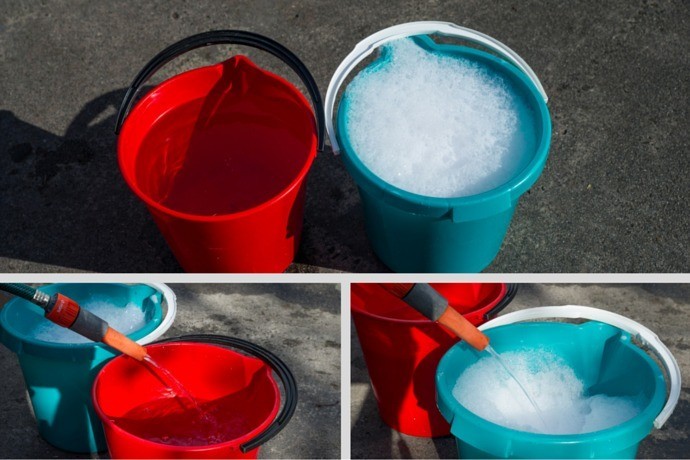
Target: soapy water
(489, 349)
(126, 320)
(435, 125)
(485, 389)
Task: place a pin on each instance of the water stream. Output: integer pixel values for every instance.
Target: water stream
(496, 356)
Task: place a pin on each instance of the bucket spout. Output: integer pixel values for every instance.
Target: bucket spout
(243, 86)
(598, 342)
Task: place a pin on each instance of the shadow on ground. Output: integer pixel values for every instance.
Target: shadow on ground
(64, 201)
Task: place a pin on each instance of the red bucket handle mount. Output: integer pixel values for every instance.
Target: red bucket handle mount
(227, 37)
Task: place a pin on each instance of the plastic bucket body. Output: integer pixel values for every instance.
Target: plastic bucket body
(408, 242)
(421, 234)
(402, 349)
(603, 356)
(244, 385)
(219, 155)
(59, 376)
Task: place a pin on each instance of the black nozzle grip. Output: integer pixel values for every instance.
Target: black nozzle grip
(90, 326)
(427, 301)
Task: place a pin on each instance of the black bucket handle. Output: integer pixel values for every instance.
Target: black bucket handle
(280, 368)
(511, 290)
(227, 37)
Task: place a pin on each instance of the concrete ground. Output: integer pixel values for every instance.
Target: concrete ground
(299, 323)
(611, 199)
(664, 308)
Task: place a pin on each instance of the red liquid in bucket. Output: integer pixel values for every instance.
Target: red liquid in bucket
(402, 350)
(165, 421)
(222, 162)
(237, 399)
(220, 155)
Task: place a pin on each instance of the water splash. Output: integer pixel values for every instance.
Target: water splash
(178, 391)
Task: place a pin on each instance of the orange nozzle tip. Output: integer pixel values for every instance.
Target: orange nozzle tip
(124, 344)
(464, 329)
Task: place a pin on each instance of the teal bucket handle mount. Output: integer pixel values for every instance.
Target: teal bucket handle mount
(369, 44)
(641, 333)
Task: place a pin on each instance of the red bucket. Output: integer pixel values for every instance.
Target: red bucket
(220, 155)
(402, 348)
(142, 420)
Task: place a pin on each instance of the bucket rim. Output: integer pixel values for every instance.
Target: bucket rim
(233, 443)
(502, 295)
(178, 79)
(639, 424)
(517, 184)
(147, 333)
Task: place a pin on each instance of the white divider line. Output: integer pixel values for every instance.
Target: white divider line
(345, 374)
(538, 278)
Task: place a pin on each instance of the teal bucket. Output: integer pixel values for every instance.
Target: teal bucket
(603, 356)
(422, 234)
(59, 376)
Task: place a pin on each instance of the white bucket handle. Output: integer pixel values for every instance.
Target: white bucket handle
(369, 44)
(171, 302)
(638, 331)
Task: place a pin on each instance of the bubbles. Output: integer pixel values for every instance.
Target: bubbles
(485, 389)
(125, 319)
(435, 125)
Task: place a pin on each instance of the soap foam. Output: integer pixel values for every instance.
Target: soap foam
(486, 389)
(125, 320)
(435, 125)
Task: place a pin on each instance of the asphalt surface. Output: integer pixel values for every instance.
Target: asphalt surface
(664, 308)
(299, 323)
(611, 199)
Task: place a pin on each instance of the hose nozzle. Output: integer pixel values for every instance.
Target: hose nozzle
(121, 342)
(61, 310)
(427, 301)
(65, 312)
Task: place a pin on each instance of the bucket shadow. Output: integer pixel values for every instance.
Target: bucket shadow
(334, 234)
(370, 436)
(64, 202)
